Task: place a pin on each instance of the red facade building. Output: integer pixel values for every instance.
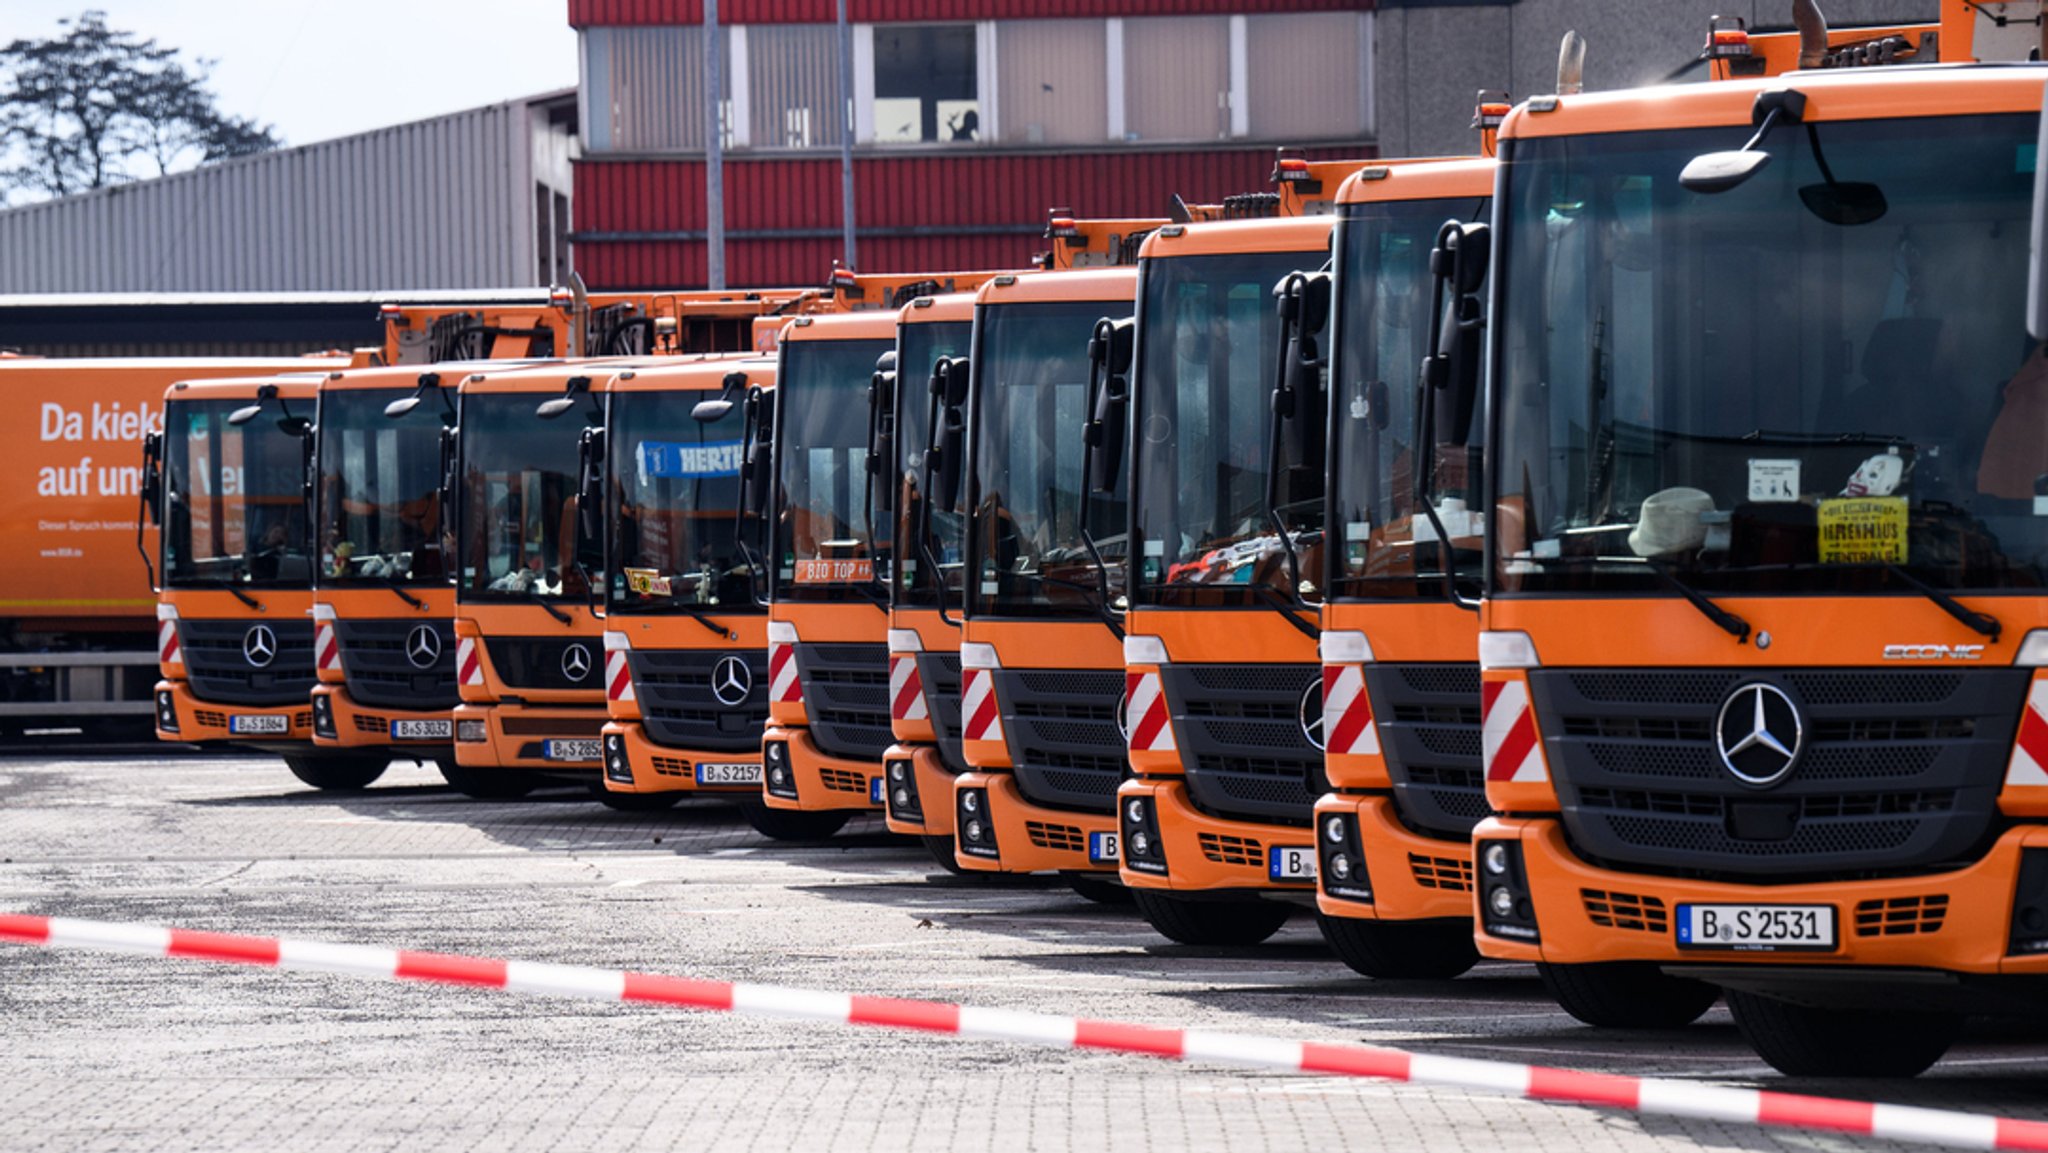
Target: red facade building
(970, 119)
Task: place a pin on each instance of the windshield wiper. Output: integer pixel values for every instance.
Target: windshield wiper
(245, 598)
(1728, 622)
(541, 599)
(1279, 602)
(398, 590)
(1983, 624)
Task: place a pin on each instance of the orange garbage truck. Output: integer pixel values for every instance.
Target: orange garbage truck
(1765, 653)
(1224, 714)
(909, 423)
(1040, 636)
(685, 642)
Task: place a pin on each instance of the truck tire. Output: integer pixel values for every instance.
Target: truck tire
(794, 825)
(487, 784)
(633, 802)
(1245, 922)
(941, 849)
(337, 772)
(1627, 994)
(1100, 890)
(1799, 1041)
(1401, 950)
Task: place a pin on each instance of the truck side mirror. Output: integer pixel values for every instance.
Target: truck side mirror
(152, 487)
(590, 469)
(1299, 402)
(2037, 268)
(881, 462)
(1450, 374)
(757, 470)
(1109, 389)
(946, 459)
(450, 462)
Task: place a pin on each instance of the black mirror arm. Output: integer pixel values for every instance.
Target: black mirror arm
(1091, 431)
(934, 451)
(150, 491)
(1285, 405)
(750, 435)
(1436, 375)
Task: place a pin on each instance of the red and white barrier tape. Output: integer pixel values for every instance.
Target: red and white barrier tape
(1637, 1094)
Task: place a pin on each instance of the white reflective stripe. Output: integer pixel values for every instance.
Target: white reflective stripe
(325, 647)
(167, 642)
(1240, 1049)
(465, 652)
(905, 641)
(617, 642)
(321, 957)
(901, 669)
(166, 612)
(1010, 1025)
(977, 695)
(979, 655)
(1933, 1126)
(323, 612)
(1150, 700)
(1687, 1099)
(781, 633)
(784, 687)
(1428, 1068)
(802, 1004)
(1508, 706)
(615, 674)
(1347, 692)
(148, 940)
(565, 980)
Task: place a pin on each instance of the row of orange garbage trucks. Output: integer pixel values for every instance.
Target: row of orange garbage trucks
(1624, 549)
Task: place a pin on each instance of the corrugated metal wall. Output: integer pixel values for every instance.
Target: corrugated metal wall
(442, 203)
(640, 223)
(588, 13)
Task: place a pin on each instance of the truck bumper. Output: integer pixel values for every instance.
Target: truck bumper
(800, 776)
(1204, 853)
(918, 791)
(1027, 838)
(634, 763)
(340, 723)
(207, 722)
(1392, 872)
(1973, 920)
(530, 737)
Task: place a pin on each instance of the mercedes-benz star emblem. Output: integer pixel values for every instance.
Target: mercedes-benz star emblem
(731, 681)
(259, 647)
(1310, 712)
(576, 662)
(423, 646)
(1759, 734)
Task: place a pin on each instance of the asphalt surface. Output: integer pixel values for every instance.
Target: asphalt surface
(108, 1053)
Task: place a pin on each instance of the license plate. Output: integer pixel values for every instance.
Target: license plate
(570, 750)
(1104, 849)
(259, 726)
(1291, 863)
(1757, 928)
(874, 790)
(728, 774)
(422, 730)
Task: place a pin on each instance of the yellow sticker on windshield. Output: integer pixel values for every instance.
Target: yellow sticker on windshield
(648, 582)
(1863, 530)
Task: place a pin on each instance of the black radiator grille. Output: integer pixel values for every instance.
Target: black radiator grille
(1428, 717)
(680, 709)
(846, 696)
(389, 666)
(218, 668)
(1061, 730)
(1239, 729)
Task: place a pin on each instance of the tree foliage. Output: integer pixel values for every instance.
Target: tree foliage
(94, 106)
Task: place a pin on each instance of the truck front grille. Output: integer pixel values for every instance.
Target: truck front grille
(1241, 738)
(1066, 749)
(846, 695)
(1428, 718)
(677, 690)
(390, 667)
(218, 668)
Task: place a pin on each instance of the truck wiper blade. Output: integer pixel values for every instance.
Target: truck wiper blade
(1728, 622)
(399, 591)
(1279, 602)
(245, 598)
(1983, 624)
(541, 599)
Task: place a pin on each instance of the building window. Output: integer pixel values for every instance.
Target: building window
(1052, 81)
(1305, 77)
(926, 86)
(643, 89)
(793, 96)
(1177, 78)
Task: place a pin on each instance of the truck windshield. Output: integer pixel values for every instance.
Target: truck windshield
(1031, 399)
(518, 501)
(674, 492)
(1207, 345)
(823, 542)
(1819, 381)
(234, 497)
(1385, 544)
(380, 489)
(918, 347)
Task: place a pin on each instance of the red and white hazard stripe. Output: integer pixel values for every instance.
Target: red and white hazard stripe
(326, 645)
(980, 719)
(1145, 711)
(469, 664)
(1535, 1082)
(906, 690)
(783, 685)
(2030, 748)
(1508, 732)
(1348, 726)
(167, 650)
(618, 675)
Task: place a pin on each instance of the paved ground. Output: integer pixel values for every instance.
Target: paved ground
(102, 1053)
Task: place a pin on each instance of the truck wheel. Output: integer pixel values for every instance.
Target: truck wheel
(487, 784)
(1799, 1041)
(941, 849)
(342, 773)
(1627, 994)
(1401, 950)
(1098, 890)
(1244, 922)
(633, 802)
(795, 825)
